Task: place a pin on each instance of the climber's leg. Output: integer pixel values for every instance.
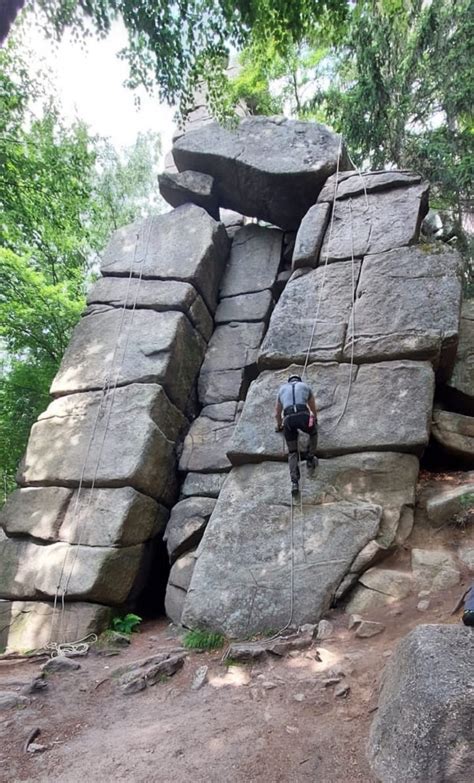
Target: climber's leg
(291, 436)
(312, 460)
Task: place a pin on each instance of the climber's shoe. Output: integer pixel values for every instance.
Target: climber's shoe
(294, 488)
(312, 463)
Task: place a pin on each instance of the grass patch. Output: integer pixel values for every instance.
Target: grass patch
(203, 640)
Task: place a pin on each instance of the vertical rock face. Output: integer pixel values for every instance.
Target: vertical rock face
(368, 331)
(368, 316)
(99, 473)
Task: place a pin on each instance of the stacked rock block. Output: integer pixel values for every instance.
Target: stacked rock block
(375, 316)
(453, 418)
(99, 473)
(246, 298)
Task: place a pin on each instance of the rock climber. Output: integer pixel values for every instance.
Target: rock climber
(296, 410)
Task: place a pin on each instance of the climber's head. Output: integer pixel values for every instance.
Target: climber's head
(294, 378)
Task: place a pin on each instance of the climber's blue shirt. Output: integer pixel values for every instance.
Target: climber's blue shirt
(301, 390)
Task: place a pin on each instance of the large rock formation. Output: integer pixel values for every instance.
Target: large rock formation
(423, 726)
(258, 544)
(270, 168)
(152, 385)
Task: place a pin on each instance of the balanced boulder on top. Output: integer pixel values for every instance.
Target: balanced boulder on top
(268, 167)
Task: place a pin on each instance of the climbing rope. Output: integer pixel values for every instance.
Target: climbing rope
(81, 646)
(310, 345)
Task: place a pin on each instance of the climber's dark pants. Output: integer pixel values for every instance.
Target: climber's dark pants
(291, 424)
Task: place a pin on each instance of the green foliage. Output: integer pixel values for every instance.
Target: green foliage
(179, 44)
(203, 640)
(127, 624)
(62, 193)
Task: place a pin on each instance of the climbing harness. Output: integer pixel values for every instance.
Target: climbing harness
(81, 646)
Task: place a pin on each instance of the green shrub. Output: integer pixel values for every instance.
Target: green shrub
(127, 624)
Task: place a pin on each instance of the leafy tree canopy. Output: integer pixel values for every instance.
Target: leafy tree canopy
(62, 193)
(177, 44)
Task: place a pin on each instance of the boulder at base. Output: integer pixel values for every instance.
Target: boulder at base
(103, 575)
(30, 625)
(385, 406)
(268, 167)
(242, 577)
(455, 434)
(133, 446)
(423, 728)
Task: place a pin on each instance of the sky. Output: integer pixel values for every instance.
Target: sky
(90, 83)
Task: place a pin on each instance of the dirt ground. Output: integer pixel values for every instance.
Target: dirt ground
(269, 722)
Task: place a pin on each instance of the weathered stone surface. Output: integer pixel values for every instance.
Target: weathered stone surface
(351, 183)
(189, 187)
(466, 556)
(203, 484)
(231, 220)
(99, 574)
(379, 587)
(254, 261)
(455, 433)
(381, 478)
(368, 628)
(146, 672)
(186, 524)
(206, 444)
(250, 529)
(99, 517)
(389, 582)
(159, 295)
(407, 306)
(182, 570)
(127, 347)
(27, 625)
(137, 450)
(461, 383)
(233, 346)
(386, 220)
(230, 358)
(246, 307)
(185, 244)
(434, 569)
(310, 236)
(388, 408)
(439, 504)
(174, 603)
(270, 168)
(38, 512)
(60, 664)
(327, 294)
(281, 646)
(223, 385)
(422, 729)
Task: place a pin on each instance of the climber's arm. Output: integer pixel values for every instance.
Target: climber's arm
(312, 405)
(278, 415)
